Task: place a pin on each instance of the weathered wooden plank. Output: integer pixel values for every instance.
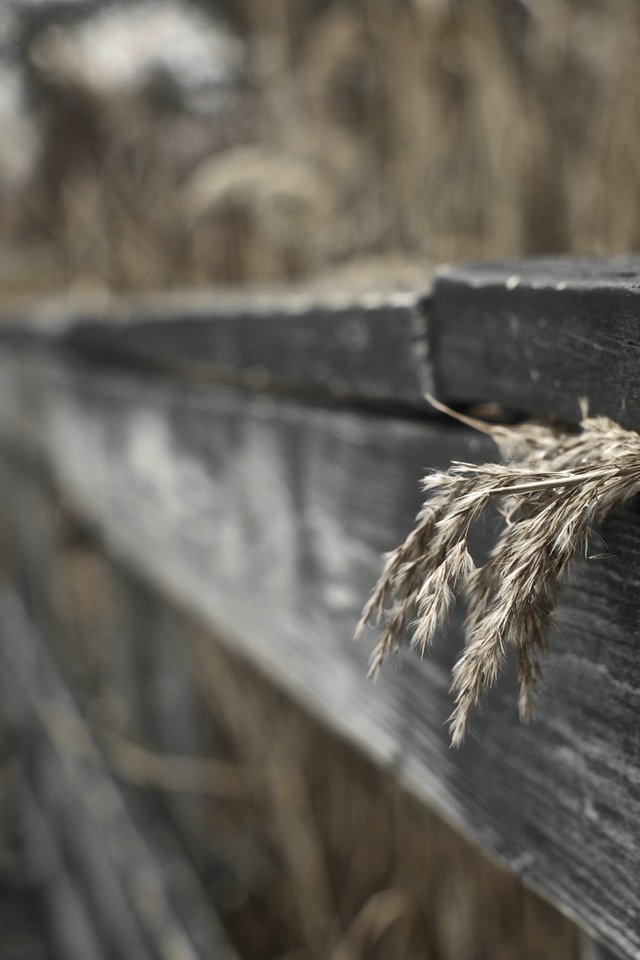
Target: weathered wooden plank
(268, 518)
(538, 335)
(534, 335)
(132, 893)
(370, 348)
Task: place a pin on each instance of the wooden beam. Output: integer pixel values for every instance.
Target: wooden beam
(538, 335)
(535, 335)
(342, 348)
(268, 518)
(264, 509)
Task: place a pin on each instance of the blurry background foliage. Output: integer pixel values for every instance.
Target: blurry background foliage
(160, 143)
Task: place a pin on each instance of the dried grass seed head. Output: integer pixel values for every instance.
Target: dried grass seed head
(553, 490)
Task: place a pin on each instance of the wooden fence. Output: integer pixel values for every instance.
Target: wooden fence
(252, 460)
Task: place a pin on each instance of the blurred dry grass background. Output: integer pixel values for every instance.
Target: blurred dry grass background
(335, 132)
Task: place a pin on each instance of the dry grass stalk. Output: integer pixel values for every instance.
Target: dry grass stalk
(554, 488)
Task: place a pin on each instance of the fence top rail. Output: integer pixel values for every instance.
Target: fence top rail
(536, 336)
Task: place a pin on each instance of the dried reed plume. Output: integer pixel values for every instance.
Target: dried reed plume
(554, 488)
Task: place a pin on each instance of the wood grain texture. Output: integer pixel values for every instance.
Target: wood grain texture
(371, 349)
(537, 335)
(267, 518)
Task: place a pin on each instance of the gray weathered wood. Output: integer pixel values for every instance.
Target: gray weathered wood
(346, 348)
(268, 518)
(538, 335)
(534, 335)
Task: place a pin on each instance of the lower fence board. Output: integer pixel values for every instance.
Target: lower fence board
(71, 928)
(134, 898)
(268, 518)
